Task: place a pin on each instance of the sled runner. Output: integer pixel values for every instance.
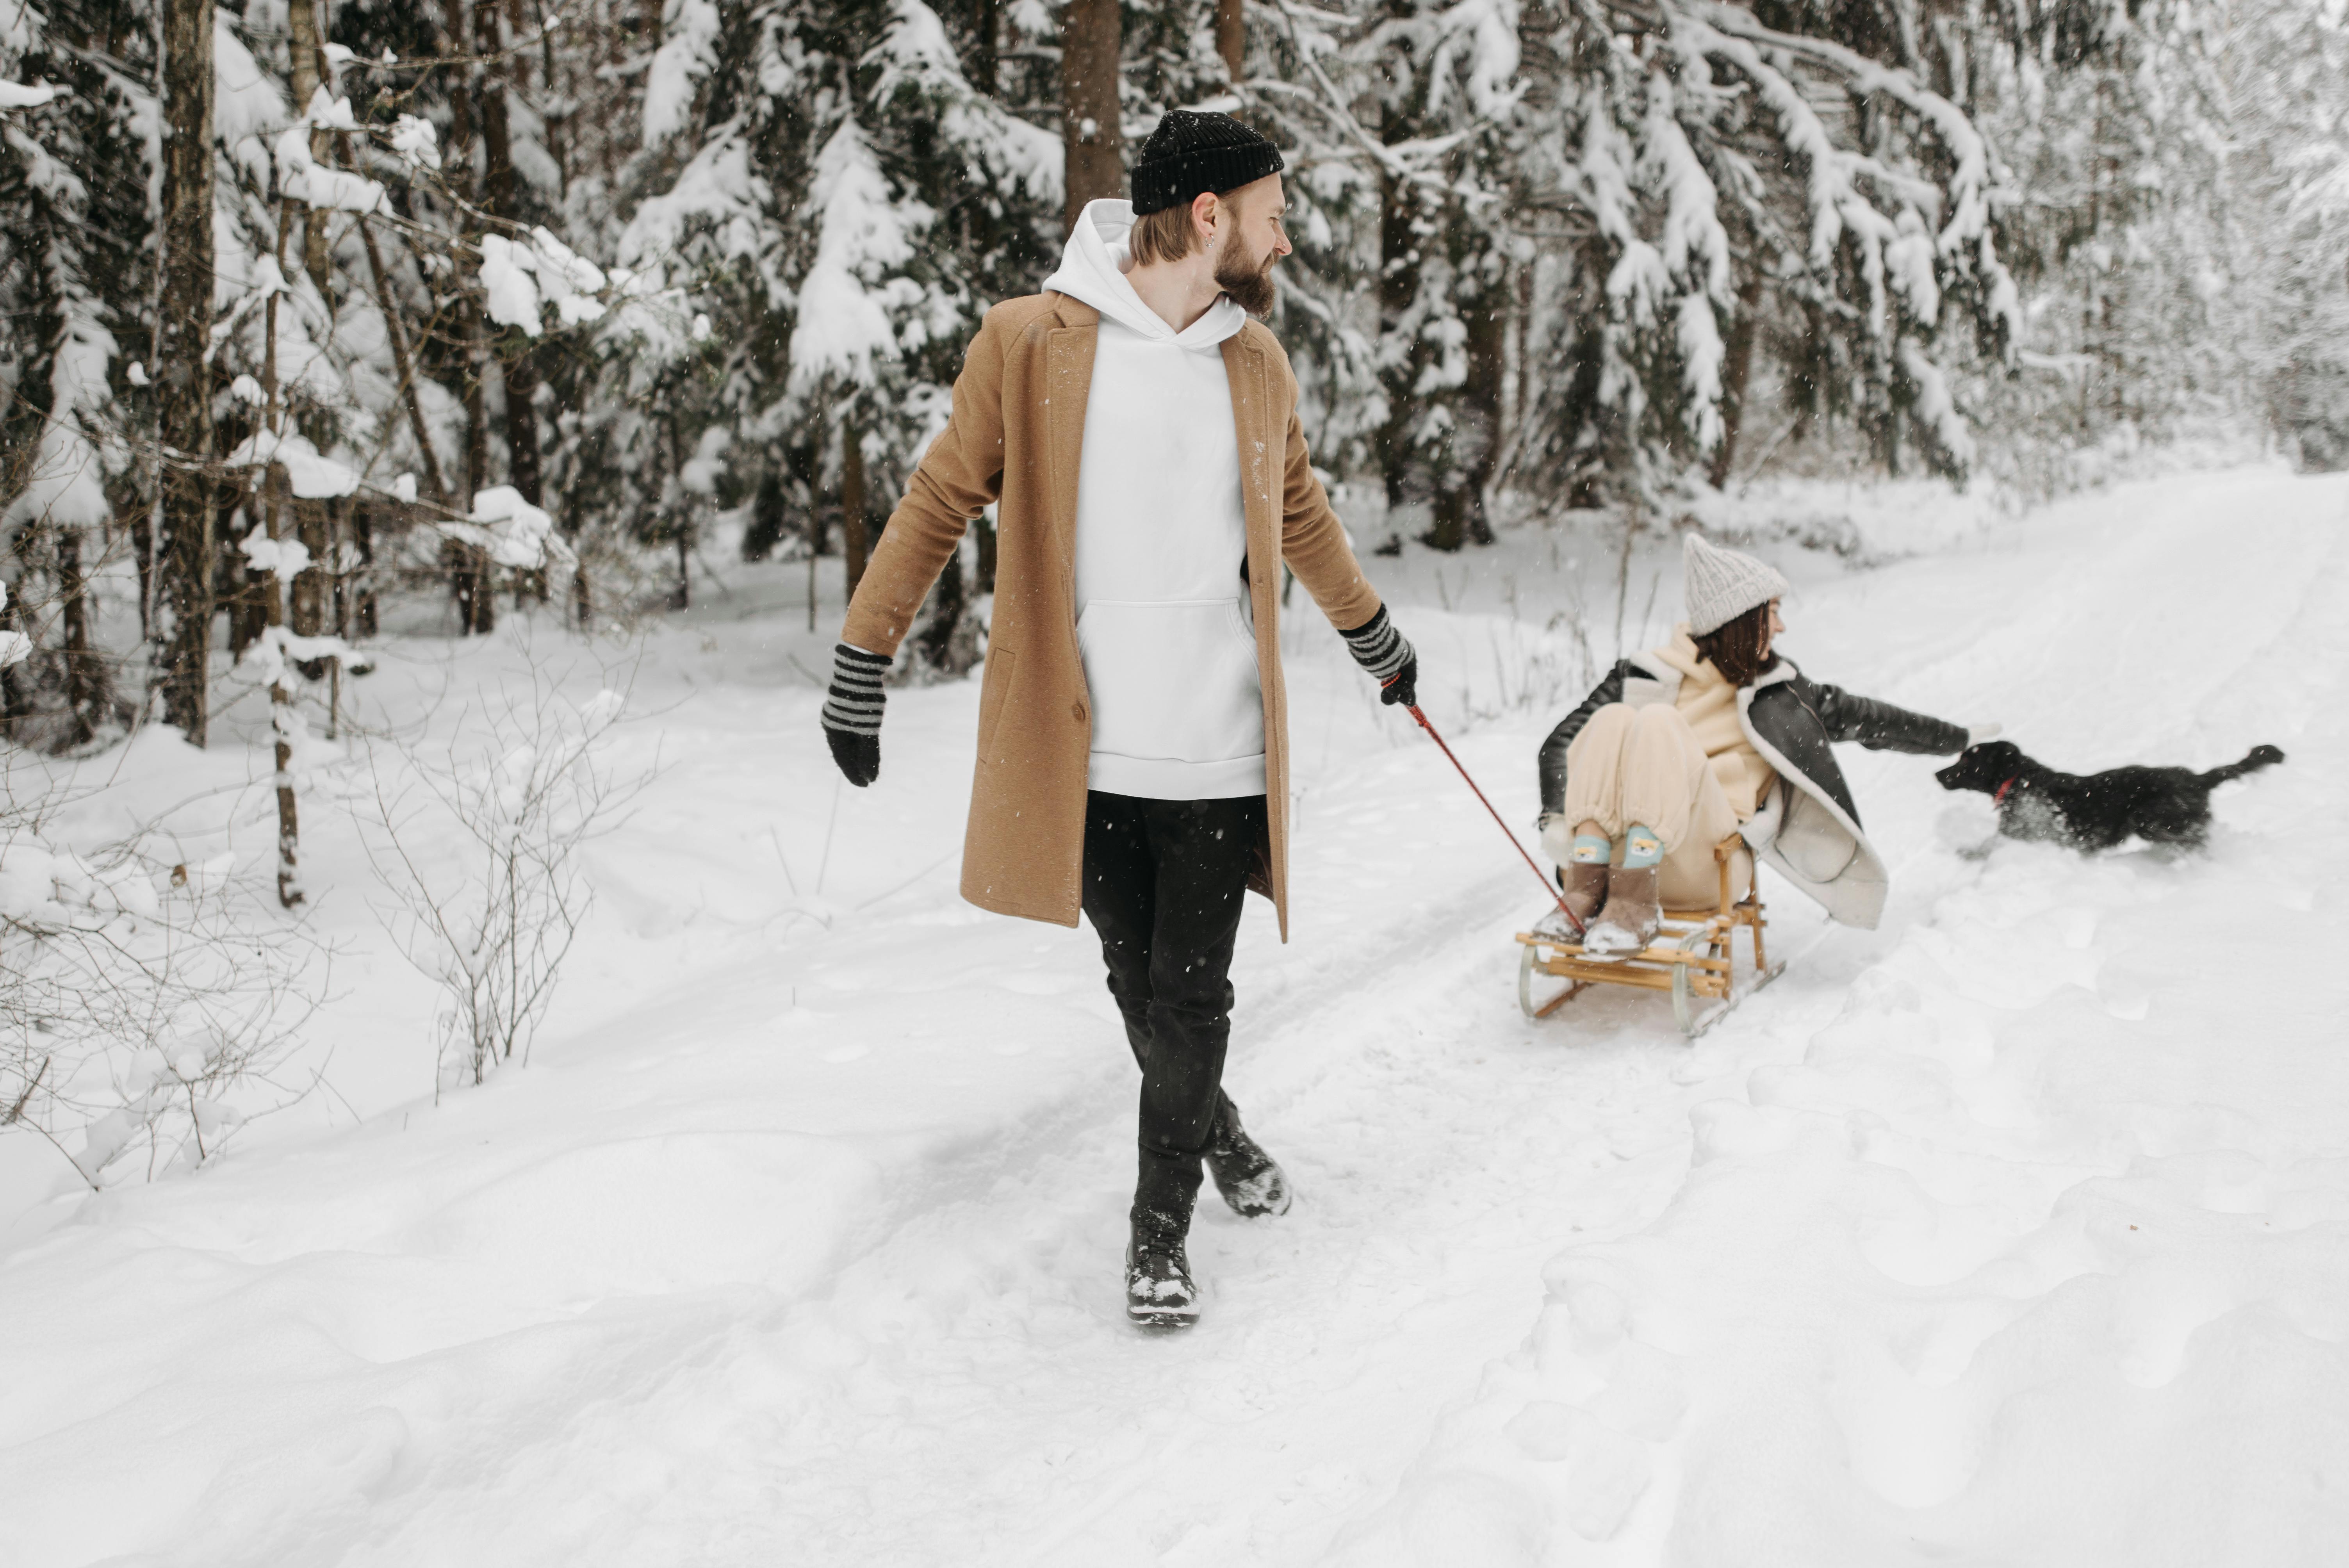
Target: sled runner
(1692, 957)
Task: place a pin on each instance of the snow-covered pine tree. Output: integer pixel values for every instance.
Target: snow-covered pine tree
(2119, 221)
(1704, 167)
(76, 98)
(841, 205)
(1443, 77)
(2284, 298)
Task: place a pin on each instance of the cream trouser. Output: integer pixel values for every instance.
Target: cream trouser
(1643, 765)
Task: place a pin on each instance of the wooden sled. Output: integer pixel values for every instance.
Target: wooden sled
(1692, 957)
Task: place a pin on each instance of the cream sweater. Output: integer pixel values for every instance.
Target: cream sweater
(1709, 703)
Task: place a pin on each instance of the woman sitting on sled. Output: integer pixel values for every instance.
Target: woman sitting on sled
(1712, 734)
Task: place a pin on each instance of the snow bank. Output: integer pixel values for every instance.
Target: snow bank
(797, 1240)
(2033, 1251)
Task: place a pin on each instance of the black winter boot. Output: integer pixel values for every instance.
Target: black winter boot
(1159, 1293)
(1250, 1179)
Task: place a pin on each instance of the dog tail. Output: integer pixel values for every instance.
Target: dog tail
(2259, 756)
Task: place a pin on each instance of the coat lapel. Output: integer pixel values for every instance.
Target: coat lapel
(1067, 381)
(1244, 369)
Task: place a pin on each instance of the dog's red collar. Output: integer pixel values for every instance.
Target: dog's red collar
(1999, 798)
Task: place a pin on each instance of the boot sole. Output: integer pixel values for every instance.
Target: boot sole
(1272, 1211)
(1156, 1321)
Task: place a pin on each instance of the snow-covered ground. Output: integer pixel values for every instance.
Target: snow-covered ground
(2016, 1231)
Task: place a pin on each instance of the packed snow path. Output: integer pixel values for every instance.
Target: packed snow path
(2017, 1231)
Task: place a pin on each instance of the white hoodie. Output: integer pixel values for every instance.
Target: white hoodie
(1162, 619)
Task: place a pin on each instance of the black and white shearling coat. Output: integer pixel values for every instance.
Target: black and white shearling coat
(1808, 827)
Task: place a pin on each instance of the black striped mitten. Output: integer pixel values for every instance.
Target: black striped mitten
(1387, 659)
(852, 712)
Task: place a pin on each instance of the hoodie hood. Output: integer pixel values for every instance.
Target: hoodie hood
(1092, 269)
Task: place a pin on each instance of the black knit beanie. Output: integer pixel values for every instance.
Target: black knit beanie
(1190, 153)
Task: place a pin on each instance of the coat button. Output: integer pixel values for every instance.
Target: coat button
(1077, 712)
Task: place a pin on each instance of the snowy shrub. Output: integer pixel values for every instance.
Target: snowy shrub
(147, 1003)
(479, 846)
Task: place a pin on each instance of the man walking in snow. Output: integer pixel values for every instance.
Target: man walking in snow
(1141, 435)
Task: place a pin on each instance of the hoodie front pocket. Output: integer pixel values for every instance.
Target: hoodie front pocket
(1172, 680)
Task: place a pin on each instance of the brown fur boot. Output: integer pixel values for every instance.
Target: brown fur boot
(1584, 886)
(1632, 914)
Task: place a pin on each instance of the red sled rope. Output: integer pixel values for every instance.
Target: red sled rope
(1548, 887)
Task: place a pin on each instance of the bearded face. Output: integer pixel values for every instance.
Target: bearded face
(1244, 270)
(1249, 283)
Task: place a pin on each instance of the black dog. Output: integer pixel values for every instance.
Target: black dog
(2159, 804)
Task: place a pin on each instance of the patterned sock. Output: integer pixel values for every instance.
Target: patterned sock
(1642, 847)
(1592, 850)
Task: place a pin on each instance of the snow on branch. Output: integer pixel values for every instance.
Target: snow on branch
(716, 189)
(1929, 227)
(689, 33)
(511, 530)
(851, 292)
(519, 278)
(1969, 184)
(66, 483)
(916, 52)
(311, 476)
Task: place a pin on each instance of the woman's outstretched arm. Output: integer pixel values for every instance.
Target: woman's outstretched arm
(1879, 725)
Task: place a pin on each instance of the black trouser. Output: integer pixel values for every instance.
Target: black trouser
(1165, 880)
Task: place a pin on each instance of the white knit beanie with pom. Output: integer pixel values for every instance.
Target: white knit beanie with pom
(1720, 585)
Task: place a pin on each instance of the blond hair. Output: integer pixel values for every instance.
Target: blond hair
(1165, 235)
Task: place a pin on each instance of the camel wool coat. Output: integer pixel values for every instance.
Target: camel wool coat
(1014, 438)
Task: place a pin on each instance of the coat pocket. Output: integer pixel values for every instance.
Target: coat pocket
(994, 693)
(1815, 846)
(1173, 680)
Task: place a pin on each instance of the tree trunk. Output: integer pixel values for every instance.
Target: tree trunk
(184, 390)
(526, 460)
(497, 144)
(310, 589)
(1398, 288)
(476, 416)
(307, 60)
(1521, 318)
(468, 568)
(986, 25)
(404, 366)
(477, 599)
(363, 606)
(85, 683)
(1231, 34)
(851, 504)
(283, 721)
(1090, 134)
(521, 372)
(1736, 370)
(1476, 434)
(141, 518)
